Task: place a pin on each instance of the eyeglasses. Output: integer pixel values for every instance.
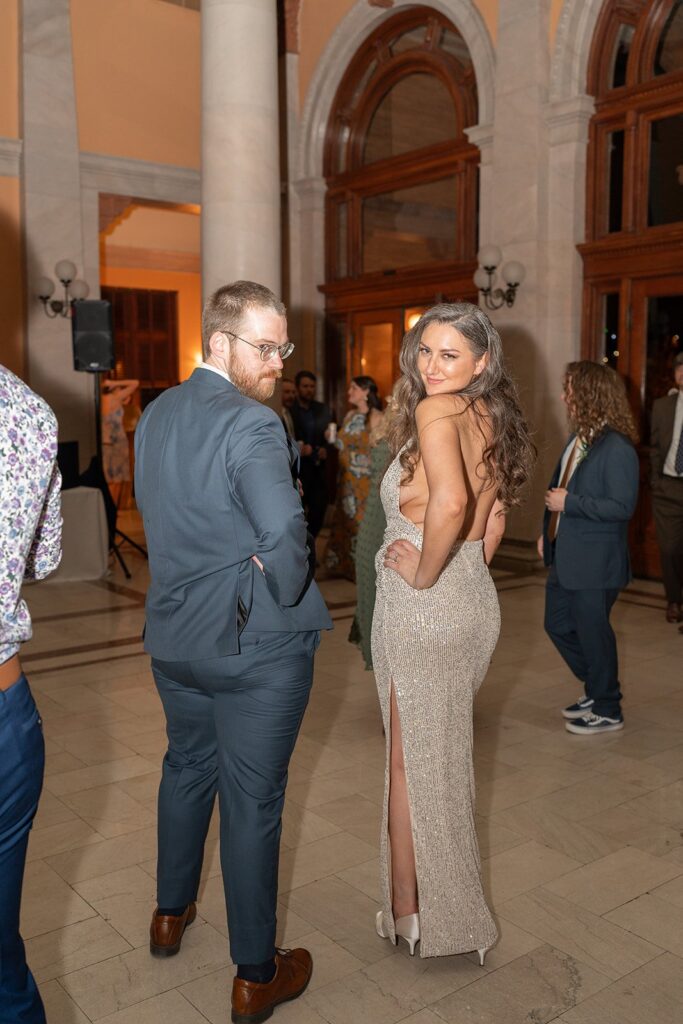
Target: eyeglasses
(267, 350)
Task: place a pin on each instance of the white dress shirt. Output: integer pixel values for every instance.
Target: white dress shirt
(215, 369)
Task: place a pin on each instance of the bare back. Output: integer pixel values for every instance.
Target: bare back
(454, 437)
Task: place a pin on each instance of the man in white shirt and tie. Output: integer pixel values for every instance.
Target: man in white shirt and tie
(666, 454)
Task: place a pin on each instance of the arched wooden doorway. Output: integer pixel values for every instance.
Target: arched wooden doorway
(633, 268)
(402, 191)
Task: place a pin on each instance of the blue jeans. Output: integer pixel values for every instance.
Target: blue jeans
(232, 724)
(22, 760)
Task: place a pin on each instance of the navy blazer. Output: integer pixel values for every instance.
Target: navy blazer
(213, 480)
(591, 548)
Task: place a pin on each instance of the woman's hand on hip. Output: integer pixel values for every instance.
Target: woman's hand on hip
(403, 558)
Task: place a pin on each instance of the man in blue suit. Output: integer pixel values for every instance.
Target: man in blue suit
(592, 497)
(232, 623)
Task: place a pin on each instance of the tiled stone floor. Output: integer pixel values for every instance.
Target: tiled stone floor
(581, 839)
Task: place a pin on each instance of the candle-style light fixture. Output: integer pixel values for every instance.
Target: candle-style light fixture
(74, 290)
(513, 273)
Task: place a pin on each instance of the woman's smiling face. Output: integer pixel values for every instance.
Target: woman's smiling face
(445, 360)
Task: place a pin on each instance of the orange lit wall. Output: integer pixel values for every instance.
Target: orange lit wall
(137, 73)
(9, 68)
(189, 291)
(11, 277)
(317, 22)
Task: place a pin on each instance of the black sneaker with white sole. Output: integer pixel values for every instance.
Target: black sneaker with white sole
(578, 710)
(591, 725)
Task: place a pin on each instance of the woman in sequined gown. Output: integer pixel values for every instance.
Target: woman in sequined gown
(462, 453)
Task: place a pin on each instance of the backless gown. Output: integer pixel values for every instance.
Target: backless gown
(436, 645)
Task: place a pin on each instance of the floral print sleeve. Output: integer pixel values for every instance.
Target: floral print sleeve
(30, 518)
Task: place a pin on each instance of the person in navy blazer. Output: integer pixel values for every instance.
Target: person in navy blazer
(232, 621)
(591, 499)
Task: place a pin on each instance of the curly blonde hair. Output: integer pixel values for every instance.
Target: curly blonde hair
(597, 400)
(510, 453)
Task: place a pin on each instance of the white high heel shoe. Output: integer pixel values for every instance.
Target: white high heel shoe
(482, 953)
(407, 928)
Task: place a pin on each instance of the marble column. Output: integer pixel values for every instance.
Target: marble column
(51, 201)
(517, 222)
(240, 144)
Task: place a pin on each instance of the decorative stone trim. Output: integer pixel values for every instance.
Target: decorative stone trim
(140, 178)
(568, 120)
(573, 39)
(481, 136)
(10, 157)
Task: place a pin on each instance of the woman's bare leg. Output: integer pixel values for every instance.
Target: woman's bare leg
(403, 874)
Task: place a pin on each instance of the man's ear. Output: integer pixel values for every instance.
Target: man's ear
(219, 345)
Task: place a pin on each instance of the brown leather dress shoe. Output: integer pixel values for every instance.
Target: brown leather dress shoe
(253, 1003)
(673, 612)
(166, 932)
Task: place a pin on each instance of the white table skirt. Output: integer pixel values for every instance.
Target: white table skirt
(85, 540)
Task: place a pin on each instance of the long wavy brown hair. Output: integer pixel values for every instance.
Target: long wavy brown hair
(509, 454)
(596, 400)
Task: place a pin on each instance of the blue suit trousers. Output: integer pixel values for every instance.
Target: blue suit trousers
(232, 724)
(22, 762)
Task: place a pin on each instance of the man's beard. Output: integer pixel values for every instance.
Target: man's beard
(259, 386)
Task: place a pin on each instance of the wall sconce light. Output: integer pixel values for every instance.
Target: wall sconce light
(74, 290)
(513, 274)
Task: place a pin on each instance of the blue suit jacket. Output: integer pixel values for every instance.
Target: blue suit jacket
(213, 480)
(591, 549)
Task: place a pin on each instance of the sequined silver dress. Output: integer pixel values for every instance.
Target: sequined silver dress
(436, 645)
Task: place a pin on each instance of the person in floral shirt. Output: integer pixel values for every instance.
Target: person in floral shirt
(30, 548)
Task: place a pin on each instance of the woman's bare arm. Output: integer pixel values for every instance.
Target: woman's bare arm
(495, 529)
(437, 425)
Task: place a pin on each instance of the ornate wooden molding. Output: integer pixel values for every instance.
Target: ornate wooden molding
(381, 3)
(291, 26)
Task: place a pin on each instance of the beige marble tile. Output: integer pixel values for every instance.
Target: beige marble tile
(496, 838)
(69, 835)
(665, 805)
(109, 810)
(524, 785)
(575, 839)
(671, 892)
(629, 826)
(60, 761)
(535, 987)
(330, 960)
(522, 868)
(364, 877)
(48, 903)
(652, 993)
(344, 914)
(78, 945)
(657, 920)
(98, 859)
(125, 899)
(52, 811)
(301, 826)
(167, 1008)
(416, 981)
(125, 980)
(97, 775)
(609, 949)
(358, 999)
(94, 746)
(613, 880)
(59, 1007)
(578, 803)
(354, 814)
(321, 858)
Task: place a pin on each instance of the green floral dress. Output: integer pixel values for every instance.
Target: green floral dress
(353, 485)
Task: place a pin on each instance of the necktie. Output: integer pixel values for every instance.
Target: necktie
(678, 461)
(555, 516)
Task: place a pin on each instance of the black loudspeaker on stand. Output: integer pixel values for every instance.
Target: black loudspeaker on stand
(93, 350)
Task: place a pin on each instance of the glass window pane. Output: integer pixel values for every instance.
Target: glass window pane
(409, 40)
(454, 44)
(342, 147)
(610, 329)
(364, 81)
(665, 200)
(669, 56)
(664, 341)
(622, 50)
(615, 171)
(417, 112)
(410, 226)
(342, 268)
